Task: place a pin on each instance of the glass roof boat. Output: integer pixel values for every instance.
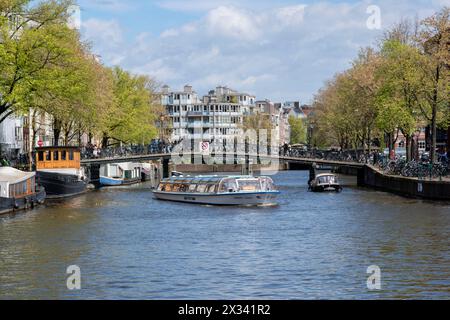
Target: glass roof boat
(219, 190)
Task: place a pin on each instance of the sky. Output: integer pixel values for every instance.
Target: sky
(278, 50)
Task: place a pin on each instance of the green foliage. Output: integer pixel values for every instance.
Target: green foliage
(298, 130)
(403, 86)
(32, 40)
(135, 111)
(44, 66)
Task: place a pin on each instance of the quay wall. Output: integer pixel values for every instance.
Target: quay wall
(409, 187)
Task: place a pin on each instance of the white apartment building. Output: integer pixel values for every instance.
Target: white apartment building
(12, 136)
(217, 117)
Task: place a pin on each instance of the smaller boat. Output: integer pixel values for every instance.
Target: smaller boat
(18, 190)
(325, 182)
(218, 190)
(119, 174)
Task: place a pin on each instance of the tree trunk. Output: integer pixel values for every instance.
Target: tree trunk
(66, 137)
(56, 132)
(391, 142)
(408, 147)
(433, 136)
(434, 118)
(105, 141)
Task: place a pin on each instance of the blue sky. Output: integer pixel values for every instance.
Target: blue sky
(279, 50)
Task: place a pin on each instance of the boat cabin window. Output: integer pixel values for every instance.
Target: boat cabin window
(212, 188)
(229, 185)
(57, 158)
(22, 189)
(202, 188)
(328, 179)
(267, 184)
(249, 185)
(162, 186)
(192, 187)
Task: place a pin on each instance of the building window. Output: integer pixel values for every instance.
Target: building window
(422, 145)
(18, 134)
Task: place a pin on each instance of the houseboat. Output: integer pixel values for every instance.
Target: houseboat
(217, 190)
(18, 190)
(58, 170)
(325, 182)
(119, 174)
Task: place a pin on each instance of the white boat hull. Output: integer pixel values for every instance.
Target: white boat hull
(226, 199)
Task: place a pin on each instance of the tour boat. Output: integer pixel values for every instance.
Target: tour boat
(118, 174)
(18, 190)
(218, 190)
(325, 182)
(59, 171)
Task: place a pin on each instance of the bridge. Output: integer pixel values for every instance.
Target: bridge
(291, 163)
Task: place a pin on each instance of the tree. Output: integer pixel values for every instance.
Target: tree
(434, 39)
(258, 123)
(397, 101)
(135, 110)
(298, 130)
(32, 39)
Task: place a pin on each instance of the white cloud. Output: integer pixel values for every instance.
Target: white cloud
(231, 22)
(108, 5)
(281, 53)
(204, 5)
(107, 35)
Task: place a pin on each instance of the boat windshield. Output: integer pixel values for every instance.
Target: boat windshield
(228, 185)
(249, 185)
(328, 180)
(267, 184)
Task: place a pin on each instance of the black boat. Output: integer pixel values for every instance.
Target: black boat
(18, 190)
(59, 171)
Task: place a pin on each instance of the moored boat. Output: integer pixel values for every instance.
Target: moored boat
(118, 174)
(218, 190)
(18, 190)
(325, 182)
(58, 169)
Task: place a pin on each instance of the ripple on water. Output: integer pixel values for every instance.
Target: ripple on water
(310, 246)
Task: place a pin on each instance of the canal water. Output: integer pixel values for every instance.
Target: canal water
(310, 246)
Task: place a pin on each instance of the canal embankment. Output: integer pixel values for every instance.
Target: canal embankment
(372, 177)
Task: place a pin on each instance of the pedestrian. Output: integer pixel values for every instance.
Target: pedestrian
(95, 152)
